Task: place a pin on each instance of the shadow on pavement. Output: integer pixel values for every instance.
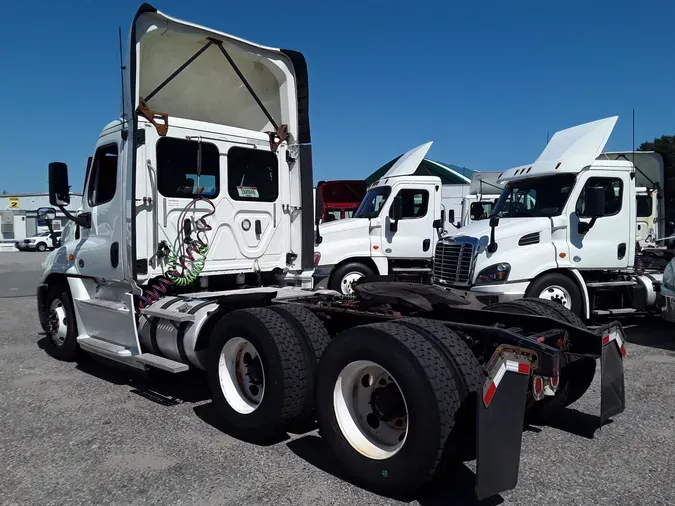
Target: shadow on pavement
(158, 386)
(456, 487)
(574, 422)
(654, 334)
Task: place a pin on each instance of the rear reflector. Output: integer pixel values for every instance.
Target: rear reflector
(614, 335)
(500, 368)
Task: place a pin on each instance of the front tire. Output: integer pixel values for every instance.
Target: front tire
(258, 373)
(386, 401)
(558, 288)
(61, 329)
(41, 247)
(342, 278)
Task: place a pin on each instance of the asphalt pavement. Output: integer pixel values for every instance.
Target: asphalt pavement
(19, 272)
(91, 433)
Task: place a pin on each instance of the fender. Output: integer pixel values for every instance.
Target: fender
(584, 293)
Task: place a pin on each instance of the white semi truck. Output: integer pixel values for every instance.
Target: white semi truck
(564, 229)
(393, 232)
(190, 251)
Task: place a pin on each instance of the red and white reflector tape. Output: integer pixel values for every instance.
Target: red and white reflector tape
(614, 335)
(499, 370)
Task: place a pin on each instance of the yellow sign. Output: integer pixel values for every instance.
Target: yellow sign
(13, 203)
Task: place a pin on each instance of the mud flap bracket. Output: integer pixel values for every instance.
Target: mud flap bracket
(500, 418)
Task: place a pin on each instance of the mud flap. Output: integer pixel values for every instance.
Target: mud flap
(612, 388)
(500, 419)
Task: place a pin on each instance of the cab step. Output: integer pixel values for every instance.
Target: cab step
(167, 314)
(112, 305)
(601, 284)
(103, 348)
(162, 363)
(611, 312)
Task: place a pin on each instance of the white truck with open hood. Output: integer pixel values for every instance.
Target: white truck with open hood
(193, 245)
(392, 233)
(563, 229)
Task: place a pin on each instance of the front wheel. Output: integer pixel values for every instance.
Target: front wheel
(557, 288)
(344, 277)
(41, 247)
(61, 324)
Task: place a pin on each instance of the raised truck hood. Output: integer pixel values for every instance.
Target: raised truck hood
(408, 163)
(208, 89)
(568, 150)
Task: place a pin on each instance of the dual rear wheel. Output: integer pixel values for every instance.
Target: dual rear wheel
(395, 402)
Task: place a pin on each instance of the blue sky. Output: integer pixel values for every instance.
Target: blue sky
(485, 80)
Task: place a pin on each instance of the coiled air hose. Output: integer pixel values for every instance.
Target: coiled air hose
(188, 257)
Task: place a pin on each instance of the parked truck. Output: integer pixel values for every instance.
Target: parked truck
(193, 244)
(394, 230)
(567, 228)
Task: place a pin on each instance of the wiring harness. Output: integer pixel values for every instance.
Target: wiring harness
(186, 260)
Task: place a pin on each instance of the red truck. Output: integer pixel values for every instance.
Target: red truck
(339, 199)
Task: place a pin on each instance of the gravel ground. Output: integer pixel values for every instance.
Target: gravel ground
(89, 434)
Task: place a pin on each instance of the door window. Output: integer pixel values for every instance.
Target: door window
(613, 194)
(186, 168)
(252, 175)
(103, 176)
(644, 206)
(414, 204)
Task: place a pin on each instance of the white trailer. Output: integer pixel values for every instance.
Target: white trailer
(564, 229)
(193, 244)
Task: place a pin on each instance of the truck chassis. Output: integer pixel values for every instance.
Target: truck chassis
(402, 380)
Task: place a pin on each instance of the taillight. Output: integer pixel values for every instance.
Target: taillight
(537, 387)
(317, 257)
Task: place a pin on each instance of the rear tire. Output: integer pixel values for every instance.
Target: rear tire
(258, 373)
(315, 340)
(575, 378)
(424, 381)
(469, 377)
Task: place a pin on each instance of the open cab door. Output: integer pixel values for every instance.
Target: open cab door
(222, 131)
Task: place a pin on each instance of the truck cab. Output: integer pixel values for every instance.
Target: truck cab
(203, 183)
(393, 232)
(565, 228)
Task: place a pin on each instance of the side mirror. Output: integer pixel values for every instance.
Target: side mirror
(46, 213)
(396, 213)
(59, 189)
(494, 221)
(397, 208)
(595, 202)
(451, 216)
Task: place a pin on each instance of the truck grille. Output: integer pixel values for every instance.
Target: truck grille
(453, 263)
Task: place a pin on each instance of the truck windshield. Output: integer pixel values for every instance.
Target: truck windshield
(372, 203)
(535, 197)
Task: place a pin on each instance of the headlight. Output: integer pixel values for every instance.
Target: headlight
(497, 273)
